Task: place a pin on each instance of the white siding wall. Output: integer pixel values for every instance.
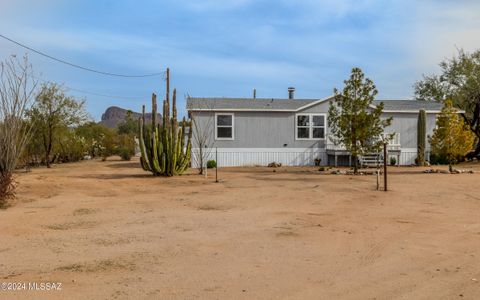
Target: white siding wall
(236, 157)
(232, 157)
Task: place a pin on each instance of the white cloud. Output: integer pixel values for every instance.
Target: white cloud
(442, 29)
(310, 43)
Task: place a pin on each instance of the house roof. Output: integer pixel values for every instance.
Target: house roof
(272, 104)
(247, 104)
(409, 105)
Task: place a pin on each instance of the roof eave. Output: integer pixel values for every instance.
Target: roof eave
(240, 109)
(315, 103)
(410, 111)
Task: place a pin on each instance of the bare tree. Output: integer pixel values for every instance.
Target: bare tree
(203, 128)
(17, 90)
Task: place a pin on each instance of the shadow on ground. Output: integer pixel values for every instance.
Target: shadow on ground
(130, 165)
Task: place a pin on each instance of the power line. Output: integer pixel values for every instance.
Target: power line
(96, 94)
(78, 66)
(107, 96)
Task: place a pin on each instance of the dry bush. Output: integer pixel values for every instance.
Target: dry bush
(17, 90)
(7, 190)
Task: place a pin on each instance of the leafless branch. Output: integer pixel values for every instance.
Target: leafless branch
(17, 90)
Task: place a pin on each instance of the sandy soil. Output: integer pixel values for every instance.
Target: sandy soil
(108, 230)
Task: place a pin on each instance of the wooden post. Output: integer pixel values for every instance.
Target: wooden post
(206, 164)
(385, 166)
(167, 96)
(216, 164)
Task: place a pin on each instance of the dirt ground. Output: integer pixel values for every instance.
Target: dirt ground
(108, 230)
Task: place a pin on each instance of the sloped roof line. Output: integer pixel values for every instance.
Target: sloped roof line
(294, 105)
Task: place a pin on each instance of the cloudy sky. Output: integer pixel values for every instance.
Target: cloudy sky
(229, 47)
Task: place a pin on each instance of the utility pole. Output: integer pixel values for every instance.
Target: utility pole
(167, 97)
(254, 93)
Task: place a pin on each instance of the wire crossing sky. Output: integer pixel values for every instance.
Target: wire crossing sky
(78, 66)
(230, 47)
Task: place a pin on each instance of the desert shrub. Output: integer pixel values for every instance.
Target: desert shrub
(68, 146)
(321, 169)
(126, 146)
(125, 153)
(438, 159)
(393, 161)
(98, 139)
(211, 164)
(7, 189)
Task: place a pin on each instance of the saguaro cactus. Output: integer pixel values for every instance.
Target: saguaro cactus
(421, 137)
(162, 146)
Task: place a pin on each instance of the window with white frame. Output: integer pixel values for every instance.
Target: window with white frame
(310, 126)
(224, 126)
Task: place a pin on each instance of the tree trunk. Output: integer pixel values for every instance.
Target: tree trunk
(48, 150)
(476, 153)
(355, 164)
(47, 160)
(201, 160)
(474, 125)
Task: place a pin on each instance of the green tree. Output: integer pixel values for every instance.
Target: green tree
(460, 81)
(127, 131)
(53, 111)
(353, 121)
(451, 138)
(129, 125)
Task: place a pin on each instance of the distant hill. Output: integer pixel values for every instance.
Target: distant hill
(115, 115)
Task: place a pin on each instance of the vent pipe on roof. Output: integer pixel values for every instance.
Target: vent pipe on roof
(291, 93)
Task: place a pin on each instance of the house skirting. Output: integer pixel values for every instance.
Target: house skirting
(408, 156)
(236, 157)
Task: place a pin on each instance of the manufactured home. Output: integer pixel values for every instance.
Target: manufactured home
(293, 132)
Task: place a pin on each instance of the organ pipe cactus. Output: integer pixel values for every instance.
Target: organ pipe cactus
(162, 146)
(421, 137)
